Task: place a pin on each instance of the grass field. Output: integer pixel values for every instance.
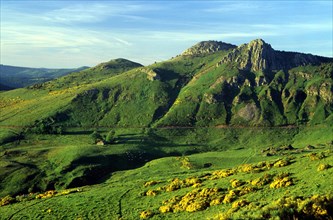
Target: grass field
(170, 174)
(212, 185)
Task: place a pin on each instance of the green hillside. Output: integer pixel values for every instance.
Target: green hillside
(233, 124)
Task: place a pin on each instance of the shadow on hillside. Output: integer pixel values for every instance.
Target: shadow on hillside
(77, 132)
(99, 168)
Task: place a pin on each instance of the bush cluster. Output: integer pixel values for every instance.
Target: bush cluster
(196, 200)
(314, 207)
(6, 200)
(146, 214)
(282, 180)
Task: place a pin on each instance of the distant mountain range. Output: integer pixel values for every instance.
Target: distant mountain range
(16, 77)
(210, 84)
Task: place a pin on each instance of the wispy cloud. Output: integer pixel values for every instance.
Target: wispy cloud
(304, 26)
(96, 12)
(232, 7)
(18, 41)
(72, 33)
(192, 36)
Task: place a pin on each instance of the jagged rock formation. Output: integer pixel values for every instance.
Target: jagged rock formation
(206, 47)
(151, 74)
(260, 56)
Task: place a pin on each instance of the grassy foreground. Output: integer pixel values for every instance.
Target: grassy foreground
(248, 180)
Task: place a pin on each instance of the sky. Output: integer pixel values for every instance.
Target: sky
(68, 34)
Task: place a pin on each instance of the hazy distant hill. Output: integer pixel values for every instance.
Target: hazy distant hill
(17, 77)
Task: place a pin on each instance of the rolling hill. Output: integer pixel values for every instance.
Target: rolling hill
(17, 77)
(213, 108)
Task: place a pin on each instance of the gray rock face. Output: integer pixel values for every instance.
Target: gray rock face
(260, 56)
(206, 47)
(151, 74)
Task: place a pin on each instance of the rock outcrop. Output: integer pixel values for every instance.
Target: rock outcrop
(151, 74)
(260, 56)
(206, 47)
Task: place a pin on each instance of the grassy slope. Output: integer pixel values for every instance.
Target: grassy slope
(42, 162)
(123, 195)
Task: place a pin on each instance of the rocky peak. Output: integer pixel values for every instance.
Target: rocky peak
(256, 56)
(206, 47)
(260, 56)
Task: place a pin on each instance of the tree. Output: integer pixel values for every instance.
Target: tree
(95, 136)
(110, 137)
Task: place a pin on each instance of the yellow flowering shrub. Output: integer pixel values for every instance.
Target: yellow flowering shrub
(281, 163)
(316, 156)
(216, 201)
(236, 183)
(192, 181)
(196, 200)
(246, 168)
(322, 167)
(239, 203)
(243, 190)
(6, 200)
(265, 179)
(177, 183)
(282, 180)
(314, 207)
(196, 206)
(174, 185)
(151, 192)
(47, 194)
(146, 214)
(150, 183)
(165, 208)
(222, 173)
(231, 196)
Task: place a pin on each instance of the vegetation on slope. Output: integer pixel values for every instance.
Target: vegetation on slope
(213, 121)
(225, 185)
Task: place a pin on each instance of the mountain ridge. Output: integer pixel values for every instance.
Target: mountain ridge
(196, 90)
(185, 105)
(260, 56)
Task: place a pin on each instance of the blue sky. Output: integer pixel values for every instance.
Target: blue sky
(77, 33)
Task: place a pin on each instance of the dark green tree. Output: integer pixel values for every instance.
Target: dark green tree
(95, 136)
(110, 137)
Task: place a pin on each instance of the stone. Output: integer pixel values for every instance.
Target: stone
(206, 47)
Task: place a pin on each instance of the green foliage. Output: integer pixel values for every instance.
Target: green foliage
(95, 136)
(46, 126)
(111, 137)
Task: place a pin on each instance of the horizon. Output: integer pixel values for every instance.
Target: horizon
(71, 34)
